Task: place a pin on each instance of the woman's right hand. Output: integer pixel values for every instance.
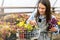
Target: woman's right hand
(33, 22)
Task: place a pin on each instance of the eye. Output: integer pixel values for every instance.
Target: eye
(40, 8)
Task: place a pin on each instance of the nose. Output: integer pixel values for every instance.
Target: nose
(41, 10)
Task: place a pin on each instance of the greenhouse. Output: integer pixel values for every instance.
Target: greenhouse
(29, 20)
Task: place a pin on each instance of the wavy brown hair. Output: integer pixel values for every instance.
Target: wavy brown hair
(48, 9)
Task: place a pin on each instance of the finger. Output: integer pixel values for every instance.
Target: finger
(52, 30)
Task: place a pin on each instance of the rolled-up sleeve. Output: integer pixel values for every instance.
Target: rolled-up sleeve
(32, 16)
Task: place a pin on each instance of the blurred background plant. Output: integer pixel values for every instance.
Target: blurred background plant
(9, 25)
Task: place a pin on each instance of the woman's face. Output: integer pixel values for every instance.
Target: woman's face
(41, 9)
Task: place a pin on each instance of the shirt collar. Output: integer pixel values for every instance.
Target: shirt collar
(42, 17)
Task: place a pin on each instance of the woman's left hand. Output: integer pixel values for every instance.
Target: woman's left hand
(53, 29)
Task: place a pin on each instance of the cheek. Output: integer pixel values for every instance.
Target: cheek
(42, 11)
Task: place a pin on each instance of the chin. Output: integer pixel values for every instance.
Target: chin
(41, 13)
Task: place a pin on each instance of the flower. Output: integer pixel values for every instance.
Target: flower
(58, 23)
(12, 23)
(20, 24)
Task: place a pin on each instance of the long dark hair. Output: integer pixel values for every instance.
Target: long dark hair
(47, 12)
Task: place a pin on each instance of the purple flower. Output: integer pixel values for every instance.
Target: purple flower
(52, 23)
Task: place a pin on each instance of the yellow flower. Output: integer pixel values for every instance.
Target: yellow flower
(1, 38)
(8, 23)
(58, 23)
(17, 18)
(1, 26)
(20, 24)
(7, 28)
(28, 27)
(25, 25)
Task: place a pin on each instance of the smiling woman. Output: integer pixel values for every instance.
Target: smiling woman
(44, 20)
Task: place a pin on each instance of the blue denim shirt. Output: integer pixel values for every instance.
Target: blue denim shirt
(41, 25)
(32, 17)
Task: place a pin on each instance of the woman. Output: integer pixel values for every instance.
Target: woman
(44, 20)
